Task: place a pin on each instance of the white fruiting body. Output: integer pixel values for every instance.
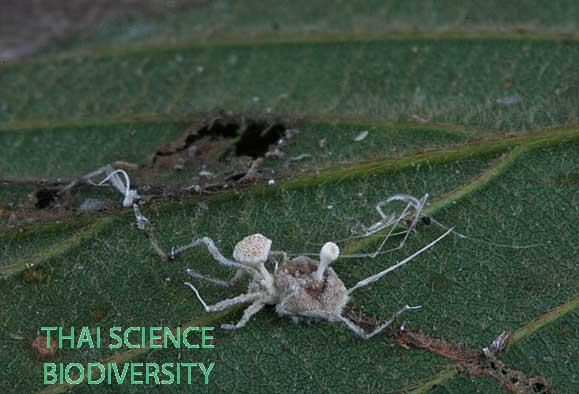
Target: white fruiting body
(253, 250)
(329, 253)
(301, 288)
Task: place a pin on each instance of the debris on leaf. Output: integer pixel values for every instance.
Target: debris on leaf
(301, 157)
(94, 204)
(362, 136)
(224, 149)
(125, 165)
(498, 345)
(115, 180)
(35, 275)
(420, 119)
(291, 133)
(507, 84)
(112, 178)
(474, 363)
(142, 221)
(510, 100)
(409, 216)
(41, 349)
(252, 171)
(275, 153)
(439, 346)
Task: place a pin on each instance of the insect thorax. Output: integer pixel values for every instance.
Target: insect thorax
(301, 293)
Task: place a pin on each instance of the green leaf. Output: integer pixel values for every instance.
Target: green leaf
(503, 173)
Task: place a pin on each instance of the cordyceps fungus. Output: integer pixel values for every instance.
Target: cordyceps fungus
(301, 288)
(329, 253)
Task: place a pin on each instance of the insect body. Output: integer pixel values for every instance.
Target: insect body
(301, 288)
(303, 293)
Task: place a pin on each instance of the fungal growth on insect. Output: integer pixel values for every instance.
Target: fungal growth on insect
(300, 288)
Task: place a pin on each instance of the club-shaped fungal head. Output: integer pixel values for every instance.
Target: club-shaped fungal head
(253, 249)
(329, 253)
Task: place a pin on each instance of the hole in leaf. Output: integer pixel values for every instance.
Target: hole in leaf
(248, 137)
(257, 138)
(219, 150)
(45, 198)
(220, 140)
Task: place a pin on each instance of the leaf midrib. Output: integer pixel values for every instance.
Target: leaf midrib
(317, 38)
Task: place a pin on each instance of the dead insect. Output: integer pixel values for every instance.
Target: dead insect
(300, 288)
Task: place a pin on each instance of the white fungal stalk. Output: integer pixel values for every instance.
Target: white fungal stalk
(329, 253)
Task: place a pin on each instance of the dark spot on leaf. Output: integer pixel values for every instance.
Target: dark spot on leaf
(40, 347)
(45, 198)
(507, 84)
(438, 281)
(571, 179)
(223, 137)
(35, 275)
(220, 150)
(567, 330)
(257, 138)
(98, 313)
(236, 177)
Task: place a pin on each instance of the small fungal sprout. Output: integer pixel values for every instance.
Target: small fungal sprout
(301, 288)
(329, 253)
